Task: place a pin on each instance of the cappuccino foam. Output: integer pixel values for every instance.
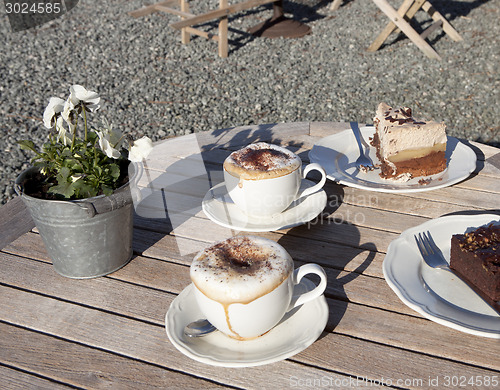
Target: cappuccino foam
(240, 269)
(261, 161)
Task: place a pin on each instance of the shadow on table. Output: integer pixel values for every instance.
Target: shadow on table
(493, 160)
(171, 203)
(245, 136)
(335, 245)
(475, 212)
(479, 154)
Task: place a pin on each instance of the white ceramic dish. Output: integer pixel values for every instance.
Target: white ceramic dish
(437, 294)
(219, 207)
(337, 154)
(298, 329)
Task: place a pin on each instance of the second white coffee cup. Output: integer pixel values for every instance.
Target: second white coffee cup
(245, 319)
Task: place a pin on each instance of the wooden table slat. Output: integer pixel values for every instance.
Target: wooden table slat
(81, 366)
(20, 380)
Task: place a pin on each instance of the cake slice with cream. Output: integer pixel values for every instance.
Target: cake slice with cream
(407, 147)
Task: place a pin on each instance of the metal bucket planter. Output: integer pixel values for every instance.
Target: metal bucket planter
(85, 238)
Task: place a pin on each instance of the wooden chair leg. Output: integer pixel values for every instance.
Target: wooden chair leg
(148, 10)
(223, 23)
(185, 35)
(404, 26)
(436, 16)
(402, 11)
(407, 11)
(336, 5)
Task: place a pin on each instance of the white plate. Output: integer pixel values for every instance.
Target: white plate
(337, 154)
(437, 294)
(219, 207)
(297, 330)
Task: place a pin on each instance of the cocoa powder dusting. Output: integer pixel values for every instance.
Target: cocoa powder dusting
(261, 159)
(243, 257)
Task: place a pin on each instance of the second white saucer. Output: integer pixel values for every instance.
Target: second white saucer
(298, 329)
(217, 206)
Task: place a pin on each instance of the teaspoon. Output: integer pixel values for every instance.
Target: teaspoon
(199, 328)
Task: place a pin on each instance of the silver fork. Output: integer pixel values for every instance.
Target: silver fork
(430, 252)
(434, 258)
(363, 163)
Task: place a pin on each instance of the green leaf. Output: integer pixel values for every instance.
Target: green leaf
(28, 145)
(63, 174)
(106, 190)
(114, 171)
(64, 189)
(65, 186)
(83, 189)
(66, 153)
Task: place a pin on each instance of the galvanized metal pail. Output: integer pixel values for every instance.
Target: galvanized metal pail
(85, 238)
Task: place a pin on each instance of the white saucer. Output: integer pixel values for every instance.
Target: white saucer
(298, 329)
(337, 155)
(437, 294)
(219, 207)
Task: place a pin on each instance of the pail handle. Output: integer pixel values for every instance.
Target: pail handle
(106, 204)
(19, 189)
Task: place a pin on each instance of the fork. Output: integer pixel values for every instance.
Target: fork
(363, 163)
(430, 252)
(434, 258)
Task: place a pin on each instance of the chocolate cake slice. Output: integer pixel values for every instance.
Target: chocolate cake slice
(407, 147)
(475, 257)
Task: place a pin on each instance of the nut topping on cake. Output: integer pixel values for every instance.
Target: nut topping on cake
(475, 257)
(484, 238)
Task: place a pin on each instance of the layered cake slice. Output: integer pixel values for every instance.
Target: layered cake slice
(475, 257)
(407, 147)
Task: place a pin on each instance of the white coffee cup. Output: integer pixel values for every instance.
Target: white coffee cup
(247, 303)
(270, 190)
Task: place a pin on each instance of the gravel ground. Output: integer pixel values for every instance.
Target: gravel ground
(152, 84)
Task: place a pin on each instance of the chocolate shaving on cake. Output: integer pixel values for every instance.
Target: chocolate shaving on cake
(405, 112)
(424, 182)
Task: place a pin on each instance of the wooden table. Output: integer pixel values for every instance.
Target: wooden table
(109, 332)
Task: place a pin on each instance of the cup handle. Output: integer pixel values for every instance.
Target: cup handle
(316, 187)
(298, 274)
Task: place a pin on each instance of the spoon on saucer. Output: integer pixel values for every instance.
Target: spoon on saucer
(199, 328)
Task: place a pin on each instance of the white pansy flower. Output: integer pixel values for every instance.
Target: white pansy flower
(53, 109)
(68, 113)
(140, 150)
(105, 145)
(89, 99)
(114, 136)
(61, 132)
